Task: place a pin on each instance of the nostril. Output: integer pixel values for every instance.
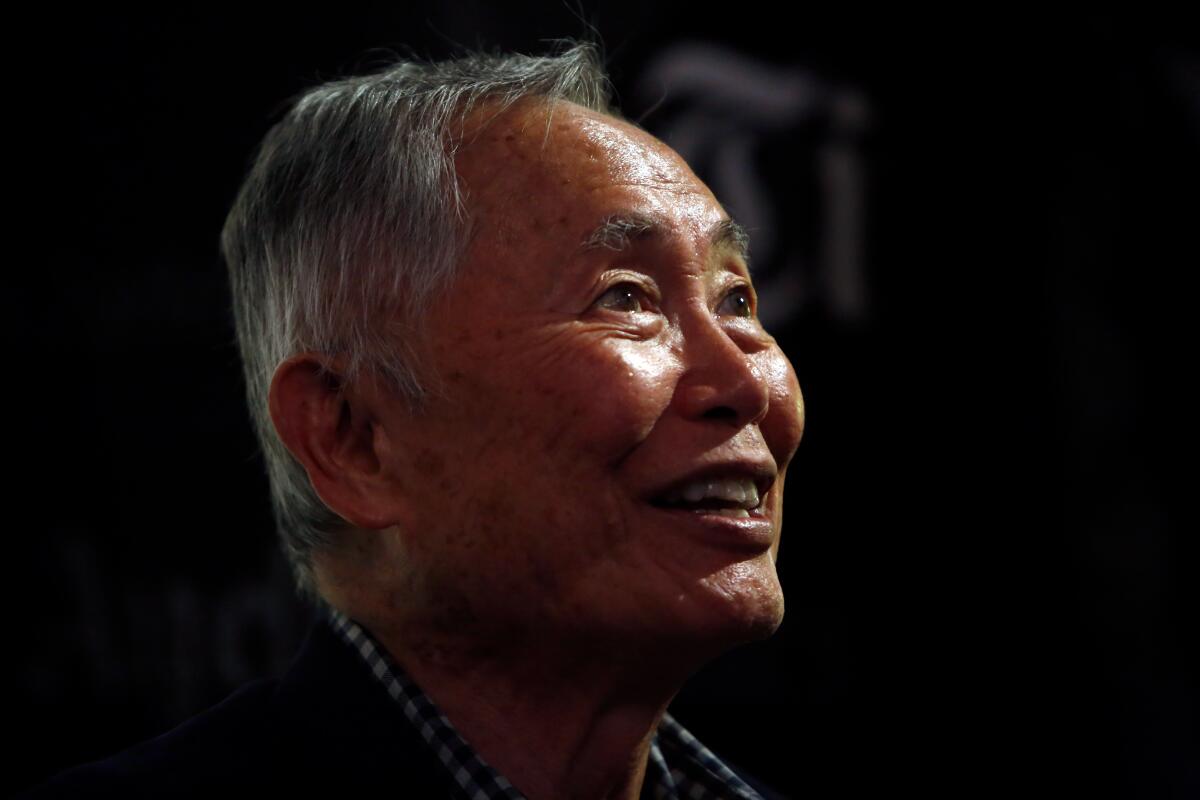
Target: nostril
(720, 412)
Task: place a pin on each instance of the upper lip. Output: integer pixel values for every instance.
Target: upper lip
(762, 472)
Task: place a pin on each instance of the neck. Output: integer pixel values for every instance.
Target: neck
(557, 722)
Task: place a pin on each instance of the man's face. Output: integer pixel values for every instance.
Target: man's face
(589, 387)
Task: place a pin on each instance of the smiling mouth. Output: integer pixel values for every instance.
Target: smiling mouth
(735, 497)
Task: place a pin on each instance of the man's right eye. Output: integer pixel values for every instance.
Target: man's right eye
(625, 297)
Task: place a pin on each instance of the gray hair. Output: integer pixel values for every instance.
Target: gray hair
(349, 219)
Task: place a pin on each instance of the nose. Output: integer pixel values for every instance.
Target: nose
(721, 381)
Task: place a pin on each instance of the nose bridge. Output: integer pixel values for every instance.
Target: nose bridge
(721, 380)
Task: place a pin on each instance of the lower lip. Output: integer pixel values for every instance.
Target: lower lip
(754, 533)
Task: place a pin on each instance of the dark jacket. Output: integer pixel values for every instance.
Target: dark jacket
(326, 726)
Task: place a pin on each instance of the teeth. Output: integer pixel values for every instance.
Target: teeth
(739, 491)
(736, 513)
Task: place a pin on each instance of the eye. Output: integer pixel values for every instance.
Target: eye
(738, 303)
(625, 297)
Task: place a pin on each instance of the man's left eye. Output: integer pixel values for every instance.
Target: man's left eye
(738, 303)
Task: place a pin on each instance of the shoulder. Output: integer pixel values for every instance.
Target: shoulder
(327, 725)
(231, 740)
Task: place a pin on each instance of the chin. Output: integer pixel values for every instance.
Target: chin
(762, 619)
(699, 611)
(740, 606)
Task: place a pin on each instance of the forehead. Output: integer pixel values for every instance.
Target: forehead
(543, 175)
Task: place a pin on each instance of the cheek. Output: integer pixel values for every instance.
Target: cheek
(614, 393)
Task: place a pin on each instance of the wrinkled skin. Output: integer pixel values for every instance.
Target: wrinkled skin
(571, 384)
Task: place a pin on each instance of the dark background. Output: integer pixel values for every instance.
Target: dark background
(977, 231)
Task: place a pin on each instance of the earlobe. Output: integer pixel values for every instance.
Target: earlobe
(330, 431)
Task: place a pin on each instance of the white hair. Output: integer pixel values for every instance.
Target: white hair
(349, 219)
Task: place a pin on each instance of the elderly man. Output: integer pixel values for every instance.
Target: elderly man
(526, 437)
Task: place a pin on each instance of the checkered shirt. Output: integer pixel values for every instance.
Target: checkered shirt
(680, 768)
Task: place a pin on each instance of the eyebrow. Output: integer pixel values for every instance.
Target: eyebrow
(619, 231)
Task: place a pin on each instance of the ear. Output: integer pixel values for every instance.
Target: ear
(331, 431)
